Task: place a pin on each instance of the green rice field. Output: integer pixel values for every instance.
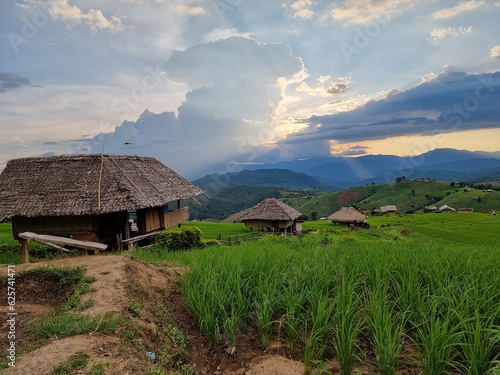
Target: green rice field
(453, 228)
(412, 294)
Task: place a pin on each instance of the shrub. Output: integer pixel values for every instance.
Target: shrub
(210, 242)
(180, 238)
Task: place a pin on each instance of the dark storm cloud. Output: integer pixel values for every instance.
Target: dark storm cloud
(10, 81)
(450, 102)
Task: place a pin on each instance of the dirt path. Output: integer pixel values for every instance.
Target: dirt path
(110, 294)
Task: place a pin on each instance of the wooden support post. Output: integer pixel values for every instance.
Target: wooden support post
(130, 245)
(178, 207)
(23, 245)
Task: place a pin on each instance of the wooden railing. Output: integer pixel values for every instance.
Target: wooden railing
(236, 239)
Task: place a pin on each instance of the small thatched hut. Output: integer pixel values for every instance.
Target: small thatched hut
(446, 208)
(389, 210)
(348, 216)
(274, 215)
(92, 197)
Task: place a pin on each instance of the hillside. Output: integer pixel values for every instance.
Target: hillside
(408, 196)
(282, 178)
(230, 200)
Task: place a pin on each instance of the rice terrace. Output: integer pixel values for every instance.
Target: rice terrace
(412, 294)
(105, 275)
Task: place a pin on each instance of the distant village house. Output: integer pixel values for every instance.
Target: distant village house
(348, 216)
(446, 208)
(273, 215)
(389, 210)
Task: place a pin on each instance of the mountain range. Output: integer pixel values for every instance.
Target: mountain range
(337, 173)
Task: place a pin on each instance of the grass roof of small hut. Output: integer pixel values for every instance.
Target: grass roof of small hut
(271, 209)
(88, 184)
(347, 215)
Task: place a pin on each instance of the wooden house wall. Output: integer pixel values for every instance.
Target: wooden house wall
(101, 228)
(258, 224)
(150, 219)
(55, 225)
(297, 226)
(282, 224)
(173, 218)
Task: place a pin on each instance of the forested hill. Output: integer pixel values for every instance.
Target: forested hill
(408, 196)
(282, 178)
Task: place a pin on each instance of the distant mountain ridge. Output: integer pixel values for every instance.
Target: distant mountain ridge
(443, 164)
(282, 178)
(297, 181)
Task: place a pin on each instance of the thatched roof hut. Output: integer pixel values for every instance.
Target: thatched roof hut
(348, 215)
(446, 208)
(389, 210)
(274, 215)
(89, 193)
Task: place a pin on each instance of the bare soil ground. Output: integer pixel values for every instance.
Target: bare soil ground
(118, 281)
(348, 196)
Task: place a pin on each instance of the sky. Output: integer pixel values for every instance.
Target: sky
(214, 85)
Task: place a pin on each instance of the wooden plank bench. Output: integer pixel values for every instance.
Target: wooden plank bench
(56, 242)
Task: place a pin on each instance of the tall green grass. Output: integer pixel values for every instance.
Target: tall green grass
(326, 297)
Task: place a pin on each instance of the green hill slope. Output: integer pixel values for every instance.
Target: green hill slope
(408, 196)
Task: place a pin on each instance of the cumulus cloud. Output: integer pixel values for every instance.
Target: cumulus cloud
(463, 7)
(450, 101)
(10, 81)
(325, 86)
(302, 9)
(190, 10)
(362, 11)
(219, 33)
(341, 85)
(443, 32)
(495, 51)
(94, 18)
(235, 87)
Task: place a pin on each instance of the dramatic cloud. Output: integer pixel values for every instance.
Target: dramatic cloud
(465, 6)
(443, 32)
(199, 81)
(495, 52)
(94, 18)
(447, 102)
(10, 81)
(235, 86)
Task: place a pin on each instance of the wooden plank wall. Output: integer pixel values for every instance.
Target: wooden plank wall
(97, 228)
(56, 225)
(175, 217)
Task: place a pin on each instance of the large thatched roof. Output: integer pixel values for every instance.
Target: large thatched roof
(88, 184)
(347, 215)
(271, 209)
